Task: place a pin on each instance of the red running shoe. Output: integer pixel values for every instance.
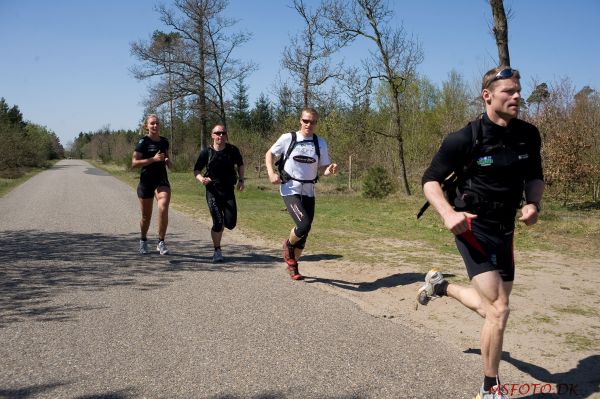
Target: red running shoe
(292, 267)
(288, 252)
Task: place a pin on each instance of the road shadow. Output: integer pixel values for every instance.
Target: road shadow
(582, 380)
(131, 393)
(319, 257)
(35, 266)
(96, 172)
(367, 286)
(28, 392)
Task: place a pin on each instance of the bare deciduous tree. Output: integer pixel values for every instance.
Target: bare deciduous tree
(393, 61)
(158, 58)
(202, 65)
(226, 68)
(307, 57)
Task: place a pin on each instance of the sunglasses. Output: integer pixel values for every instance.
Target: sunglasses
(503, 74)
(219, 133)
(307, 121)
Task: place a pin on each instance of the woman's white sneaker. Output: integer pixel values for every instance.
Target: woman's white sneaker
(143, 247)
(218, 256)
(162, 248)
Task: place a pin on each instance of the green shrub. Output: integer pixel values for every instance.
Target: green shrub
(377, 183)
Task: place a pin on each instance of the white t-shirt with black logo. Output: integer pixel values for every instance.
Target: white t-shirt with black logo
(302, 163)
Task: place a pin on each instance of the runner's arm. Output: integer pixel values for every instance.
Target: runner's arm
(200, 165)
(328, 169)
(240, 183)
(534, 189)
(137, 161)
(454, 221)
(269, 159)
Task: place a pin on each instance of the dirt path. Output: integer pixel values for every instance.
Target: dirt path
(554, 326)
(553, 332)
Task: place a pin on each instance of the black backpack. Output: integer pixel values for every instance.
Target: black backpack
(451, 183)
(283, 175)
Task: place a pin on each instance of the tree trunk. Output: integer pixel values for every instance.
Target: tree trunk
(171, 111)
(500, 31)
(399, 138)
(202, 89)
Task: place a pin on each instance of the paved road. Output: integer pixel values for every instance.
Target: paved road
(82, 315)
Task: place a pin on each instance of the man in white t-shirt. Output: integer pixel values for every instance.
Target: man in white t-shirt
(308, 158)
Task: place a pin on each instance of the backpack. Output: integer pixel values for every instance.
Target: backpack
(452, 181)
(283, 175)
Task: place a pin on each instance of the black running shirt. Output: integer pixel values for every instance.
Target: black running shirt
(508, 158)
(221, 169)
(156, 171)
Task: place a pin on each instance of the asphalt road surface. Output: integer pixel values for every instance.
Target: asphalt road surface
(83, 315)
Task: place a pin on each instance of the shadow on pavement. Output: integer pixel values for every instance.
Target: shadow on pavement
(96, 172)
(281, 395)
(27, 392)
(386, 282)
(36, 265)
(318, 257)
(580, 382)
(34, 390)
(123, 394)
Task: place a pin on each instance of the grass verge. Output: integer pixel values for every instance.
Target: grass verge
(365, 230)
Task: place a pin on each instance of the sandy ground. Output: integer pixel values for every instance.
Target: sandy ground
(552, 341)
(554, 326)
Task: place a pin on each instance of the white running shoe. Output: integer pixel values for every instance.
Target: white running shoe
(426, 293)
(143, 247)
(495, 393)
(218, 256)
(162, 248)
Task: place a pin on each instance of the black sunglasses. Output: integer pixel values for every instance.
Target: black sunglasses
(503, 74)
(307, 121)
(220, 133)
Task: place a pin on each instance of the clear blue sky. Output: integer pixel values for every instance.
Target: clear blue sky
(66, 63)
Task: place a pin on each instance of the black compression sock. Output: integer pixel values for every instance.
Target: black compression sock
(441, 289)
(488, 383)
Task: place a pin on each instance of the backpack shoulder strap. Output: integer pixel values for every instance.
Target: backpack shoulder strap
(316, 143)
(476, 143)
(282, 160)
(291, 146)
(211, 156)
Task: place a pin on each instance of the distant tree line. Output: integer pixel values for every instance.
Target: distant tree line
(374, 112)
(25, 144)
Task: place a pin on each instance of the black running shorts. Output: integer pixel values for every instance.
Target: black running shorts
(146, 189)
(486, 247)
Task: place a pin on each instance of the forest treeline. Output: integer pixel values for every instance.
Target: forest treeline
(25, 144)
(374, 112)
(569, 123)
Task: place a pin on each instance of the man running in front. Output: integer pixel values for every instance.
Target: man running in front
(506, 164)
(302, 160)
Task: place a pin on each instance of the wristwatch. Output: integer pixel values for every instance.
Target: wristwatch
(241, 180)
(538, 207)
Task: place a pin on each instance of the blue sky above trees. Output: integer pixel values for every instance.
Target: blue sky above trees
(66, 63)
